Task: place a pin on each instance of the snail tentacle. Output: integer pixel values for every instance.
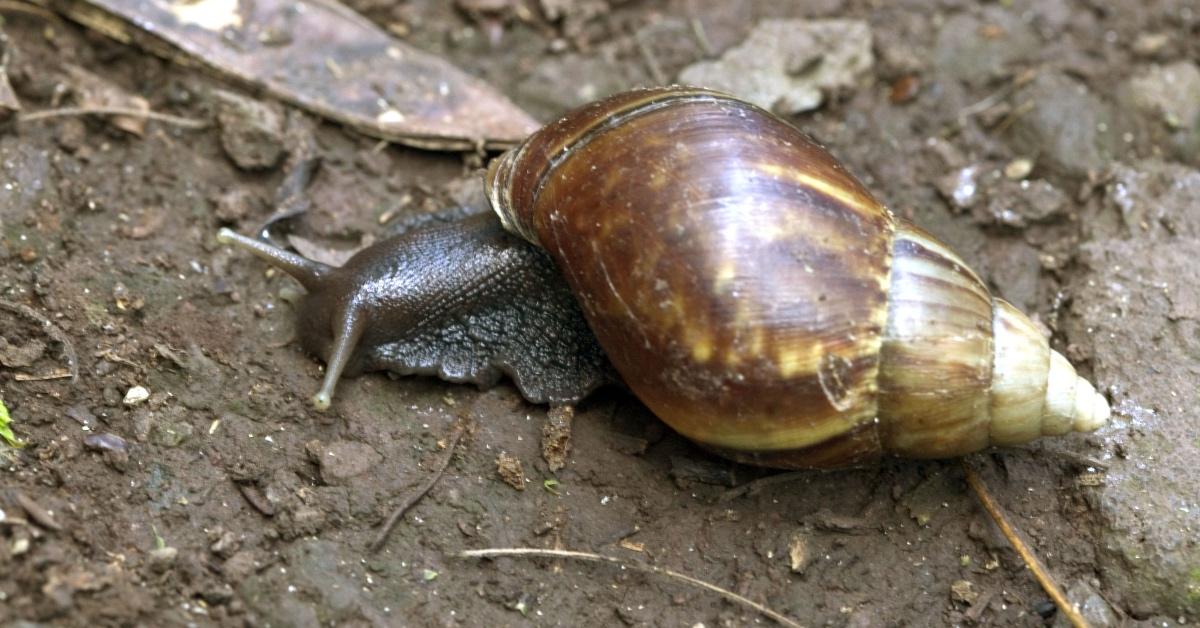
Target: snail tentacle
(308, 272)
(348, 330)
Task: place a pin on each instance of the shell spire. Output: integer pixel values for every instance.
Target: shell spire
(962, 370)
(1035, 391)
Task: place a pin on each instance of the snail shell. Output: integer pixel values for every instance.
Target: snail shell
(756, 297)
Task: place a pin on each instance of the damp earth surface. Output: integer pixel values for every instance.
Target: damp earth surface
(183, 479)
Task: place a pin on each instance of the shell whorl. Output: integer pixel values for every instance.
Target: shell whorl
(760, 301)
(961, 369)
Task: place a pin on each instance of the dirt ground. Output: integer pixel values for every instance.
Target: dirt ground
(222, 498)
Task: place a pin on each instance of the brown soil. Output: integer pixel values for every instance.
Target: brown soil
(235, 503)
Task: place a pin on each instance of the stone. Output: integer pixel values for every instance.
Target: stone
(1018, 204)
(171, 430)
(163, 558)
(1170, 92)
(789, 66)
(1152, 199)
(1137, 317)
(136, 395)
(978, 49)
(241, 565)
(20, 355)
(252, 132)
(1091, 605)
(234, 205)
(341, 460)
(1069, 128)
(963, 592)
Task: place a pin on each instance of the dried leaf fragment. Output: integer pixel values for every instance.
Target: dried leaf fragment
(326, 59)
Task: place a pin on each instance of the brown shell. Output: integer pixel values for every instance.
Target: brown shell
(752, 292)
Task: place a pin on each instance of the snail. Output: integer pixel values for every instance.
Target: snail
(743, 284)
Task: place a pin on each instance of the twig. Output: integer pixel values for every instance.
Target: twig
(995, 97)
(166, 118)
(416, 496)
(702, 37)
(1039, 571)
(985, 103)
(652, 64)
(526, 552)
(28, 9)
(51, 330)
(1014, 115)
(1080, 460)
(61, 374)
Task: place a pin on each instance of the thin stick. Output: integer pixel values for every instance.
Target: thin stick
(986, 103)
(701, 36)
(22, 377)
(1039, 571)
(526, 552)
(656, 71)
(187, 123)
(416, 496)
(27, 9)
(51, 330)
(994, 98)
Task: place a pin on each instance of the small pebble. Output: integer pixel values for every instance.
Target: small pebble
(72, 134)
(218, 595)
(136, 395)
(798, 553)
(37, 513)
(105, 442)
(234, 205)
(252, 131)
(1150, 44)
(341, 460)
(163, 558)
(1045, 609)
(82, 415)
(1018, 169)
(225, 545)
(963, 591)
(790, 65)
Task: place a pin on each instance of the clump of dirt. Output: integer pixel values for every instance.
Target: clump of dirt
(184, 479)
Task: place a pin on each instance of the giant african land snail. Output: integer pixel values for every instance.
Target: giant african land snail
(745, 286)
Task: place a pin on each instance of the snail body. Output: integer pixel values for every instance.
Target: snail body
(453, 301)
(747, 288)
